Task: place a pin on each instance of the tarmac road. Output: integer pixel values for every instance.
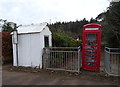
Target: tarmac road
(0, 75)
(46, 78)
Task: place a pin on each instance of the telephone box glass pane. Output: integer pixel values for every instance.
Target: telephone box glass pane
(90, 51)
(91, 48)
(91, 35)
(91, 43)
(90, 59)
(90, 55)
(91, 39)
(90, 64)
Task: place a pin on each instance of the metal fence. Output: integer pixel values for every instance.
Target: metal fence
(62, 58)
(112, 61)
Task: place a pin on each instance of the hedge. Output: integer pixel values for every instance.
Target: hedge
(6, 47)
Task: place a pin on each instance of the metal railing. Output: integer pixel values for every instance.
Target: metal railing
(62, 58)
(112, 61)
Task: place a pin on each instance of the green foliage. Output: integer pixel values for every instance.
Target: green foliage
(6, 47)
(113, 21)
(63, 40)
(111, 25)
(112, 40)
(5, 26)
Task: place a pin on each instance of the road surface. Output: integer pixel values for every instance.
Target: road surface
(14, 77)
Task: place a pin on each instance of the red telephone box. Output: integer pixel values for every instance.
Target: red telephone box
(91, 47)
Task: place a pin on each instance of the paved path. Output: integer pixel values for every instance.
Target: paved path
(52, 78)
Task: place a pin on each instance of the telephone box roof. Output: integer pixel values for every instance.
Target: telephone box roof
(91, 25)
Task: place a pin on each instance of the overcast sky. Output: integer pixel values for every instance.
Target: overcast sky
(38, 11)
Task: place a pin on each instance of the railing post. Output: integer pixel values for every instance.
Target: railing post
(79, 59)
(45, 58)
(109, 61)
(105, 59)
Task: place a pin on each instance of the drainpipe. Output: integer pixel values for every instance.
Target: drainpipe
(15, 42)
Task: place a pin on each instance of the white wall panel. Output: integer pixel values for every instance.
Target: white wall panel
(24, 50)
(35, 49)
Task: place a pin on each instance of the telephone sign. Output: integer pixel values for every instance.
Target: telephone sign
(91, 47)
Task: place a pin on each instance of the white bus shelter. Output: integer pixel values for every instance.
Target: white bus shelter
(31, 39)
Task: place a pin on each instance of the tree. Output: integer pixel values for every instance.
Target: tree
(6, 26)
(110, 20)
(113, 22)
(93, 20)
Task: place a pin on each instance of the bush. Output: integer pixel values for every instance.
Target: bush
(62, 40)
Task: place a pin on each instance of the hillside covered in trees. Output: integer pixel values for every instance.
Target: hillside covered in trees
(73, 29)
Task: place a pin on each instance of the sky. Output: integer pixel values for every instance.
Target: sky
(37, 11)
